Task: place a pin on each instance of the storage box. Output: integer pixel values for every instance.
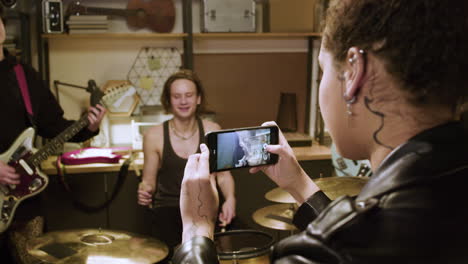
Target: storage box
(228, 16)
(292, 15)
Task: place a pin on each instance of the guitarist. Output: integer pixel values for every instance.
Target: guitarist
(47, 118)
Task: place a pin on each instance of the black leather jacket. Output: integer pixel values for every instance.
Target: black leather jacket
(413, 210)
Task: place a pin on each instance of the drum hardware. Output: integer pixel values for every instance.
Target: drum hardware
(243, 247)
(333, 187)
(96, 246)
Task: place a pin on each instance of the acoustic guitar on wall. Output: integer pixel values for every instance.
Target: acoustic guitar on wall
(157, 15)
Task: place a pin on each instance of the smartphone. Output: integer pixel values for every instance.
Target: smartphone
(241, 147)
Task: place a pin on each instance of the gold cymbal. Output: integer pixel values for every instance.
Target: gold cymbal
(333, 187)
(96, 246)
(278, 216)
(279, 195)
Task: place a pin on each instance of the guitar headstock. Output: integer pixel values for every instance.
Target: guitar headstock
(96, 93)
(75, 8)
(120, 97)
(111, 96)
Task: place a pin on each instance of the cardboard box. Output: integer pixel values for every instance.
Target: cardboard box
(292, 15)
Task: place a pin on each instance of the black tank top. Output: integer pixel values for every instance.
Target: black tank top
(171, 173)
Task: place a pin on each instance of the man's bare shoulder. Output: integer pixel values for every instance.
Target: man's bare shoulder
(154, 131)
(209, 125)
(154, 136)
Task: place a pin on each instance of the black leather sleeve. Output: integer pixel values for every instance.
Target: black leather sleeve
(199, 250)
(310, 209)
(303, 248)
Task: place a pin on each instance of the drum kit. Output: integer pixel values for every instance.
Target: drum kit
(279, 216)
(235, 246)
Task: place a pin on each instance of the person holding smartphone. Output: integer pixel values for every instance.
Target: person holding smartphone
(394, 80)
(166, 149)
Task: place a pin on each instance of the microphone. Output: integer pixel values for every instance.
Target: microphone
(96, 93)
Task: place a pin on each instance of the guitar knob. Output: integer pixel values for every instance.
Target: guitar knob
(35, 184)
(5, 217)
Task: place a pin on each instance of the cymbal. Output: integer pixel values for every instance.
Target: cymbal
(96, 246)
(278, 216)
(279, 195)
(333, 187)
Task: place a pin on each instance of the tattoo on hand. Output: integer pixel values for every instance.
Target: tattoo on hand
(200, 205)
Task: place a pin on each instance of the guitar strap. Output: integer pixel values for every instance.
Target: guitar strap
(23, 85)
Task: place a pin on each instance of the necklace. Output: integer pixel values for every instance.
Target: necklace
(177, 134)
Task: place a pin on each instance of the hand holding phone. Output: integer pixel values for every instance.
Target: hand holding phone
(287, 173)
(241, 148)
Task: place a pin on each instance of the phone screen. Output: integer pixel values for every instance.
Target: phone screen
(241, 148)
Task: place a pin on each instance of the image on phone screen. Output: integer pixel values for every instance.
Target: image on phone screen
(242, 148)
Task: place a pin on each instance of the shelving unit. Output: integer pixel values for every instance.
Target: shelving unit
(184, 35)
(255, 35)
(117, 36)
(189, 38)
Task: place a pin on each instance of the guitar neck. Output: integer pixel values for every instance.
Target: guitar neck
(111, 11)
(52, 146)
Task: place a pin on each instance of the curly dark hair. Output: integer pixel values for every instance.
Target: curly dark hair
(423, 43)
(187, 75)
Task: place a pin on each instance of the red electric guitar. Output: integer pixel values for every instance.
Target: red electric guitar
(26, 159)
(157, 15)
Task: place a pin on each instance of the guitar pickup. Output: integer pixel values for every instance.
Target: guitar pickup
(18, 153)
(26, 167)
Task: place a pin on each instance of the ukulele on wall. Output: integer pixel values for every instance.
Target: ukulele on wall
(157, 15)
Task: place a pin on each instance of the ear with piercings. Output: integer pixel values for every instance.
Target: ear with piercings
(353, 59)
(349, 100)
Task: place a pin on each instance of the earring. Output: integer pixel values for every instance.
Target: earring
(349, 102)
(353, 59)
(348, 109)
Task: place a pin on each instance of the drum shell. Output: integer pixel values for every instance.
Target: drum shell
(244, 247)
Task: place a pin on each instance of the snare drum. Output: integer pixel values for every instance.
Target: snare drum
(243, 247)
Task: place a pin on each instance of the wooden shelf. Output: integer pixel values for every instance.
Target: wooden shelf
(183, 35)
(116, 36)
(255, 35)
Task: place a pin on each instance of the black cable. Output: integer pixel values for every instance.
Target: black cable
(95, 208)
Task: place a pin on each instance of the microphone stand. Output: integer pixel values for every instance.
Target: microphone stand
(92, 87)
